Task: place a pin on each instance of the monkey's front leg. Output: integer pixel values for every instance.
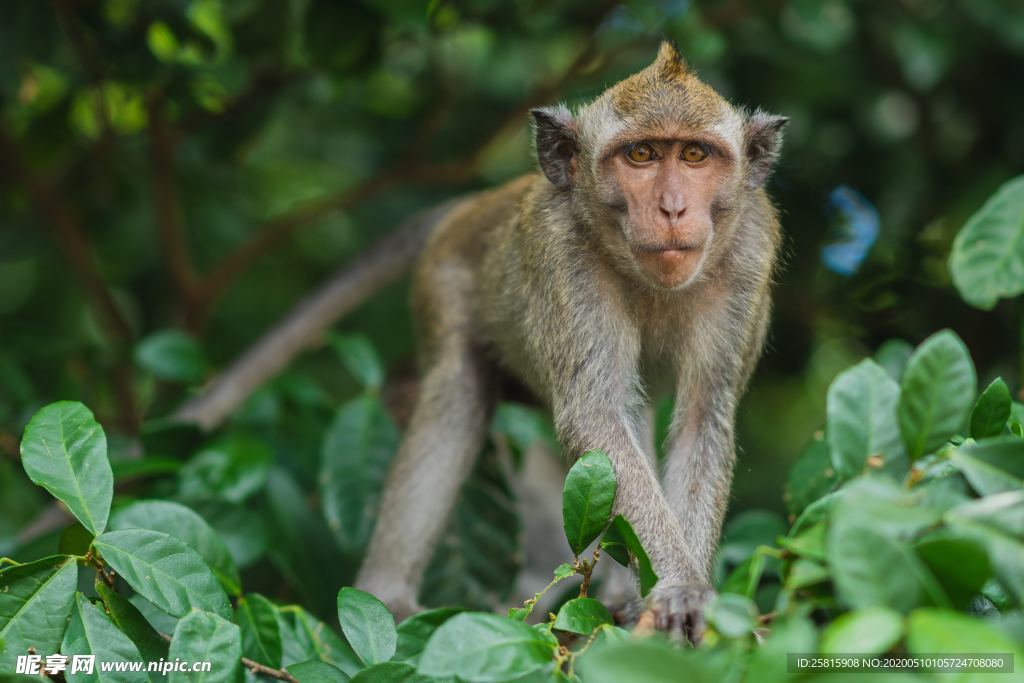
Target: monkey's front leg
(639, 498)
(697, 477)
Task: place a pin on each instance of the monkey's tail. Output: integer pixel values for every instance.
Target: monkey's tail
(304, 325)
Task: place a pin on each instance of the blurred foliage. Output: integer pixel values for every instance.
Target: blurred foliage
(176, 174)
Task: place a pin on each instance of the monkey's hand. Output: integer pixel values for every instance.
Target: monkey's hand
(677, 610)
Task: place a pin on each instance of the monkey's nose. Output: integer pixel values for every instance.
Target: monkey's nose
(672, 210)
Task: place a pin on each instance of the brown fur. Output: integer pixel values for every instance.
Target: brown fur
(541, 278)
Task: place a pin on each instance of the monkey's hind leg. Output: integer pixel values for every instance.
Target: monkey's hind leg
(443, 439)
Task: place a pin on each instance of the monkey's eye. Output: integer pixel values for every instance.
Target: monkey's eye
(640, 153)
(695, 152)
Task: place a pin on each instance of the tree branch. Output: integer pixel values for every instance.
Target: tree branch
(72, 239)
(167, 208)
(350, 286)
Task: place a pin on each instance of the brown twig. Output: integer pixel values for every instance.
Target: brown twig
(254, 666)
(167, 208)
(72, 239)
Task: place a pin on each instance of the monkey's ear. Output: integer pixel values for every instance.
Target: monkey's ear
(555, 138)
(763, 141)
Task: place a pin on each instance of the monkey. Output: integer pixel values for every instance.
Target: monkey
(637, 261)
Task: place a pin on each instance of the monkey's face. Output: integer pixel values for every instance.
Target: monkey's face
(659, 165)
(666, 187)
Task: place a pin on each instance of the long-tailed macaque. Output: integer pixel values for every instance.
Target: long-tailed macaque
(638, 262)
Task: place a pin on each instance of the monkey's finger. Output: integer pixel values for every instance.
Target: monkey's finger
(644, 625)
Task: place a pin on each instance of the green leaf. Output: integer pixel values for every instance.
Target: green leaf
(305, 637)
(127, 618)
(871, 569)
(233, 469)
(206, 637)
(64, 450)
(315, 671)
(390, 672)
(163, 570)
(938, 389)
(732, 615)
(937, 630)
(987, 261)
(747, 531)
(485, 647)
(35, 605)
(186, 526)
(261, 637)
(811, 477)
(993, 465)
(172, 355)
(414, 632)
(862, 421)
(651, 661)
(893, 356)
(360, 359)
(582, 615)
(357, 449)
(620, 535)
(768, 662)
(872, 630)
(587, 499)
(958, 562)
(991, 411)
(997, 522)
(90, 632)
(368, 626)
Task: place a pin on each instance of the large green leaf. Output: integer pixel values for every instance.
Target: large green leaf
(871, 630)
(232, 469)
(414, 632)
(862, 420)
(390, 672)
(261, 636)
(936, 630)
(356, 452)
(35, 604)
(991, 411)
(360, 359)
(997, 523)
(163, 570)
(485, 647)
(987, 261)
(871, 569)
(206, 637)
(811, 476)
(182, 523)
(316, 671)
(304, 637)
(128, 618)
(368, 625)
(587, 499)
(582, 615)
(732, 615)
(64, 450)
(621, 542)
(959, 562)
(91, 632)
(172, 355)
(938, 389)
(651, 661)
(993, 465)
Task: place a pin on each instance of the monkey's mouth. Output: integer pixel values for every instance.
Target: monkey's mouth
(671, 265)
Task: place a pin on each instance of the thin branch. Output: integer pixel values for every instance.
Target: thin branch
(168, 208)
(54, 208)
(350, 286)
(254, 666)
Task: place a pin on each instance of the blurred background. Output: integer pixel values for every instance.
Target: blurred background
(175, 175)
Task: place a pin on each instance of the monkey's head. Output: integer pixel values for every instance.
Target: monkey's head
(660, 165)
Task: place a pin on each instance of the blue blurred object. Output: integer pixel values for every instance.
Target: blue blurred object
(855, 221)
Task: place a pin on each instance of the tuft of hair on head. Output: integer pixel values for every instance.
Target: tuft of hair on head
(669, 64)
